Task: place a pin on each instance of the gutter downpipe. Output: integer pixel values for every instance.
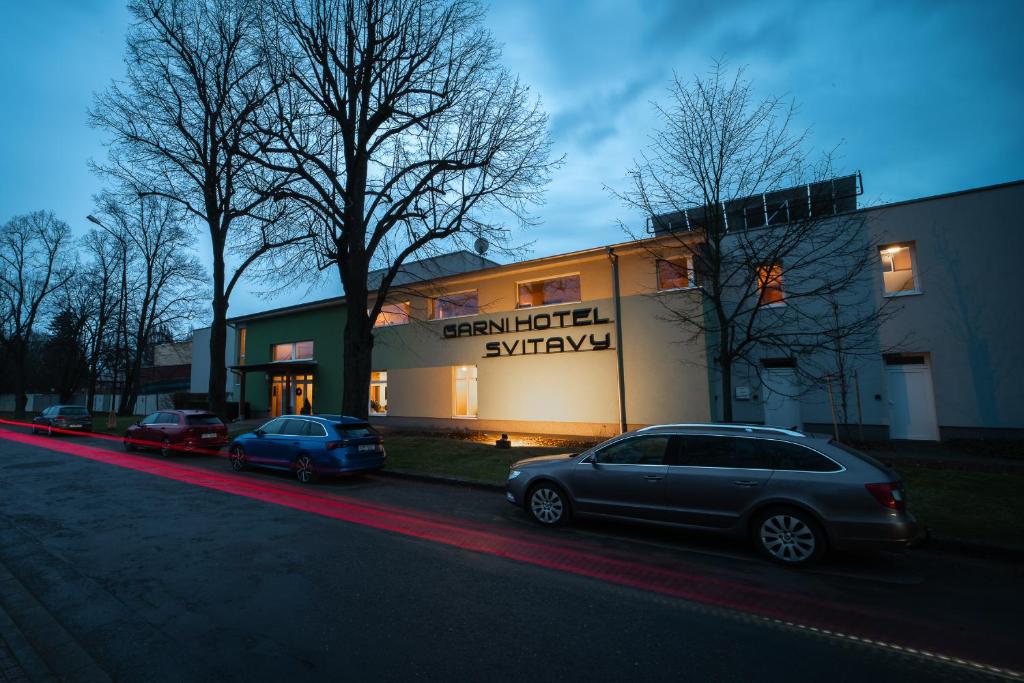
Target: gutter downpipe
(614, 258)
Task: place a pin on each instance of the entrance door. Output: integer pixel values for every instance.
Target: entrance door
(291, 395)
(781, 398)
(911, 399)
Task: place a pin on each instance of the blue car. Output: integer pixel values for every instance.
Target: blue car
(310, 446)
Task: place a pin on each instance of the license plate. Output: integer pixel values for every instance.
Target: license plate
(74, 426)
(368, 447)
(209, 435)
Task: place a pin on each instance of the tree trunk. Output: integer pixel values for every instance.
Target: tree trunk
(217, 387)
(20, 380)
(358, 360)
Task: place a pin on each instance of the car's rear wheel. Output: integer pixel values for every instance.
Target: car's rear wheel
(305, 471)
(165, 448)
(548, 504)
(237, 458)
(789, 536)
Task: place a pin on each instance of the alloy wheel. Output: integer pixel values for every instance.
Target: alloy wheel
(547, 505)
(49, 430)
(165, 448)
(237, 459)
(304, 469)
(788, 538)
(127, 443)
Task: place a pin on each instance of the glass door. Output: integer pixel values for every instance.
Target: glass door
(302, 394)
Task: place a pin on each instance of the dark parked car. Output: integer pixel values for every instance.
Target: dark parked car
(310, 446)
(56, 418)
(792, 494)
(177, 430)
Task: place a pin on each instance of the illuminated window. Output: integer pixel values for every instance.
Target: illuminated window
(465, 391)
(393, 314)
(898, 272)
(293, 351)
(456, 304)
(379, 393)
(556, 290)
(674, 274)
(241, 346)
(769, 285)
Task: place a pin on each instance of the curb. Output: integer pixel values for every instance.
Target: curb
(38, 632)
(441, 479)
(937, 544)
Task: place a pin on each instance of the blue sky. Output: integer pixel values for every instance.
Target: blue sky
(924, 97)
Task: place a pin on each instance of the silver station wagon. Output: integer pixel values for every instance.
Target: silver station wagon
(794, 495)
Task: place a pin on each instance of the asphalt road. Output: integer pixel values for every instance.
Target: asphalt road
(152, 569)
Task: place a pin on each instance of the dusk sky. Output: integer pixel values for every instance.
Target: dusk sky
(924, 97)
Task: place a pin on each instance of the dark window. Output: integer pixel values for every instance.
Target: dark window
(273, 427)
(203, 420)
(354, 431)
(169, 418)
(721, 451)
(73, 410)
(640, 450)
(315, 429)
(294, 428)
(790, 456)
(150, 419)
(47, 413)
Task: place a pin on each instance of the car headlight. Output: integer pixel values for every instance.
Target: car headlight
(513, 474)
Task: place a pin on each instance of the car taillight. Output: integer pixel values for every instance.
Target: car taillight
(888, 494)
(59, 419)
(331, 445)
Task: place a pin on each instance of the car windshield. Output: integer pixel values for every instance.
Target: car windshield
(354, 430)
(203, 420)
(73, 410)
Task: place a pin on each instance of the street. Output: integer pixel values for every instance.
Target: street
(181, 569)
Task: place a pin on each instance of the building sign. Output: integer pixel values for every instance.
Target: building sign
(574, 339)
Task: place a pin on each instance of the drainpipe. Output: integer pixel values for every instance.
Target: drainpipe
(614, 258)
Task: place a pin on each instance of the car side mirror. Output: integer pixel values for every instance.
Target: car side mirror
(259, 432)
(137, 423)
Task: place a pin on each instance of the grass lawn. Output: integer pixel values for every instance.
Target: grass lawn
(457, 457)
(984, 507)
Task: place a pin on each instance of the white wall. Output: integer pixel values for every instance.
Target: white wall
(200, 379)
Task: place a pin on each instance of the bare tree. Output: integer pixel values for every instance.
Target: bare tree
(99, 277)
(403, 135)
(784, 264)
(35, 262)
(180, 123)
(161, 282)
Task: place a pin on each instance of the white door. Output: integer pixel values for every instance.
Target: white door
(781, 398)
(911, 402)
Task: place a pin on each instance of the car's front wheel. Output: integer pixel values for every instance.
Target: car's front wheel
(789, 536)
(165, 448)
(127, 442)
(237, 458)
(548, 504)
(305, 472)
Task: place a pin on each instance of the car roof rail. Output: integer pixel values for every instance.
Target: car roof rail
(729, 426)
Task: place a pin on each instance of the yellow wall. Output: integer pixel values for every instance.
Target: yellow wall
(570, 392)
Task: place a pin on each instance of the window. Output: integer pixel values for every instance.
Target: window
(456, 305)
(379, 393)
(274, 426)
(241, 346)
(150, 419)
(167, 419)
(354, 430)
(769, 285)
(465, 391)
(393, 314)
(557, 290)
(196, 420)
(293, 351)
(790, 456)
(641, 450)
(674, 274)
(73, 411)
(898, 273)
(722, 451)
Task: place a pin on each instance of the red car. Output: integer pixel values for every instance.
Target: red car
(177, 430)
